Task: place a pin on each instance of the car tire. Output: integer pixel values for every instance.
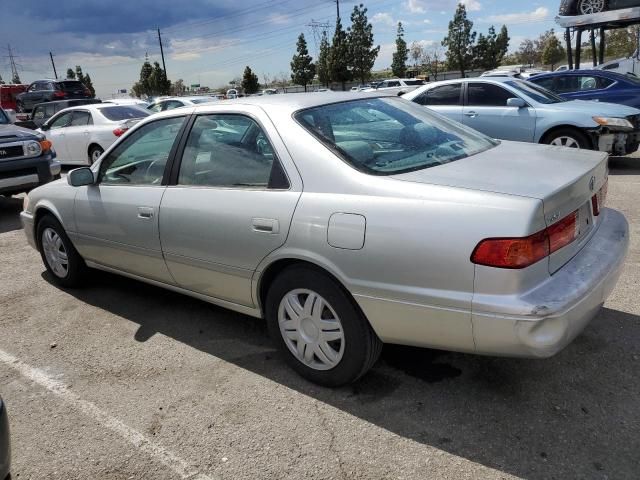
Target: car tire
(567, 137)
(55, 247)
(319, 328)
(588, 7)
(94, 153)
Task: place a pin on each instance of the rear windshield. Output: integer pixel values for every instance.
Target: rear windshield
(70, 85)
(123, 112)
(414, 82)
(386, 136)
(201, 100)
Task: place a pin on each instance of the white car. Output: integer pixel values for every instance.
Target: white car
(164, 104)
(399, 86)
(80, 134)
(127, 101)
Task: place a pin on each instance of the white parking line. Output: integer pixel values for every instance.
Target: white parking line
(137, 439)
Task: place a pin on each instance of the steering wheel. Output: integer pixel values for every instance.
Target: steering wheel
(149, 171)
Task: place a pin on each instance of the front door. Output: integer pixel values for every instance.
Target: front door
(486, 110)
(117, 218)
(56, 132)
(231, 205)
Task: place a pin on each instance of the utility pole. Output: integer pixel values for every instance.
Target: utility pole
(162, 53)
(53, 65)
(337, 9)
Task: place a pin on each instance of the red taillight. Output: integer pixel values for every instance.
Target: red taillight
(119, 131)
(522, 252)
(58, 94)
(597, 201)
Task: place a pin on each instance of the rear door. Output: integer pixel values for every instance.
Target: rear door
(486, 110)
(77, 136)
(445, 99)
(229, 206)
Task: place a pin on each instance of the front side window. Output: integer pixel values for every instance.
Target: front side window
(141, 158)
(38, 113)
(229, 151)
(487, 95)
(396, 136)
(156, 107)
(171, 104)
(61, 121)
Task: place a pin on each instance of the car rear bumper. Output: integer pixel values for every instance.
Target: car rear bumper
(538, 323)
(546, 319)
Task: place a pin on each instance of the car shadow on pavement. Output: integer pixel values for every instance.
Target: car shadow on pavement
(624, 165)
(571, 416)
(10, 209)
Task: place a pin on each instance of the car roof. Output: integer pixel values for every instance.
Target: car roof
(289, 101)
(601, 73)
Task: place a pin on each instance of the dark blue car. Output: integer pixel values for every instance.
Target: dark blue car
(599, 85)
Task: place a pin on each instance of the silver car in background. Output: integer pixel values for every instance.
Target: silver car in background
(345, 222)
(511, 109)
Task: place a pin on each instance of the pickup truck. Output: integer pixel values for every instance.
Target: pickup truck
(27, 158)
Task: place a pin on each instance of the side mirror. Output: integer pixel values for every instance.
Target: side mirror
(516, 102)
(44, 127)
(80, 177)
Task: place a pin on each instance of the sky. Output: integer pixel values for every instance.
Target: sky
(209, 42)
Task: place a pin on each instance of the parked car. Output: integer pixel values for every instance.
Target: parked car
(81, 134)
(339, 216)
(512, 109)
(127, 101)
(26, 159)
(587, 7)
(398, 86)
(5, 443)
(50, 90)
(177, 102)
(44, 111)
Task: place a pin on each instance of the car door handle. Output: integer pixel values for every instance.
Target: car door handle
(471, 114)
(145, 213)
(265, 225)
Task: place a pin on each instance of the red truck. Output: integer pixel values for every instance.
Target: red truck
(8, 95)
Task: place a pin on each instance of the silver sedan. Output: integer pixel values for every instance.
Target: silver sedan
(345, 222)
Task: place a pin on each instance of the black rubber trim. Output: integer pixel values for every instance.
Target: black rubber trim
(170, 169)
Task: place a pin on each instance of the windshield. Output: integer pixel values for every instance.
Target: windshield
(3, 118)
(386, 136)
(535, 92)
(123, 112)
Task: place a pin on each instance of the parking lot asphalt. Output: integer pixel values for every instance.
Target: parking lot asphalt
(122, 380)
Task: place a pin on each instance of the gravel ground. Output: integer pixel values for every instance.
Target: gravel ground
(121, 380)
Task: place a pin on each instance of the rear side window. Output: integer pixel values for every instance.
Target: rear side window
(545, 83)
(230, 151)
(120, 112)
(487, 95)
(443, 95)
(414, 82)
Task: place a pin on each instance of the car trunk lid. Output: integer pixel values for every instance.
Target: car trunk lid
(564, 179)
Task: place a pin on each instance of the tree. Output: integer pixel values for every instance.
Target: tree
(416, 52)
(302, 67)
(527, 52)
(178, 87)
(89, 84)
(502, 44)
(79, 74)
(459, 41)
(266, 79)
(250, 83)
(71, 74)
(400, 56)
(157, 83)
(322, 65)
(621, 42)
(433, 59)
(540, 42)
(339, 60)
(482, 53)
(553, 52)
(360, 39)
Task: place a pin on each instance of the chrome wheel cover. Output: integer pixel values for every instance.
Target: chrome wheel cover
(311, 329)
(55, 253)
(587, 7)
(565, 141)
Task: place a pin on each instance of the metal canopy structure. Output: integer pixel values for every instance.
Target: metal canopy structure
(594, 22)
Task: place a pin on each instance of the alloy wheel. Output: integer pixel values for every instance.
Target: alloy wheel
(55, 252)
(565, 141)
(587, 7)
(311, 329)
